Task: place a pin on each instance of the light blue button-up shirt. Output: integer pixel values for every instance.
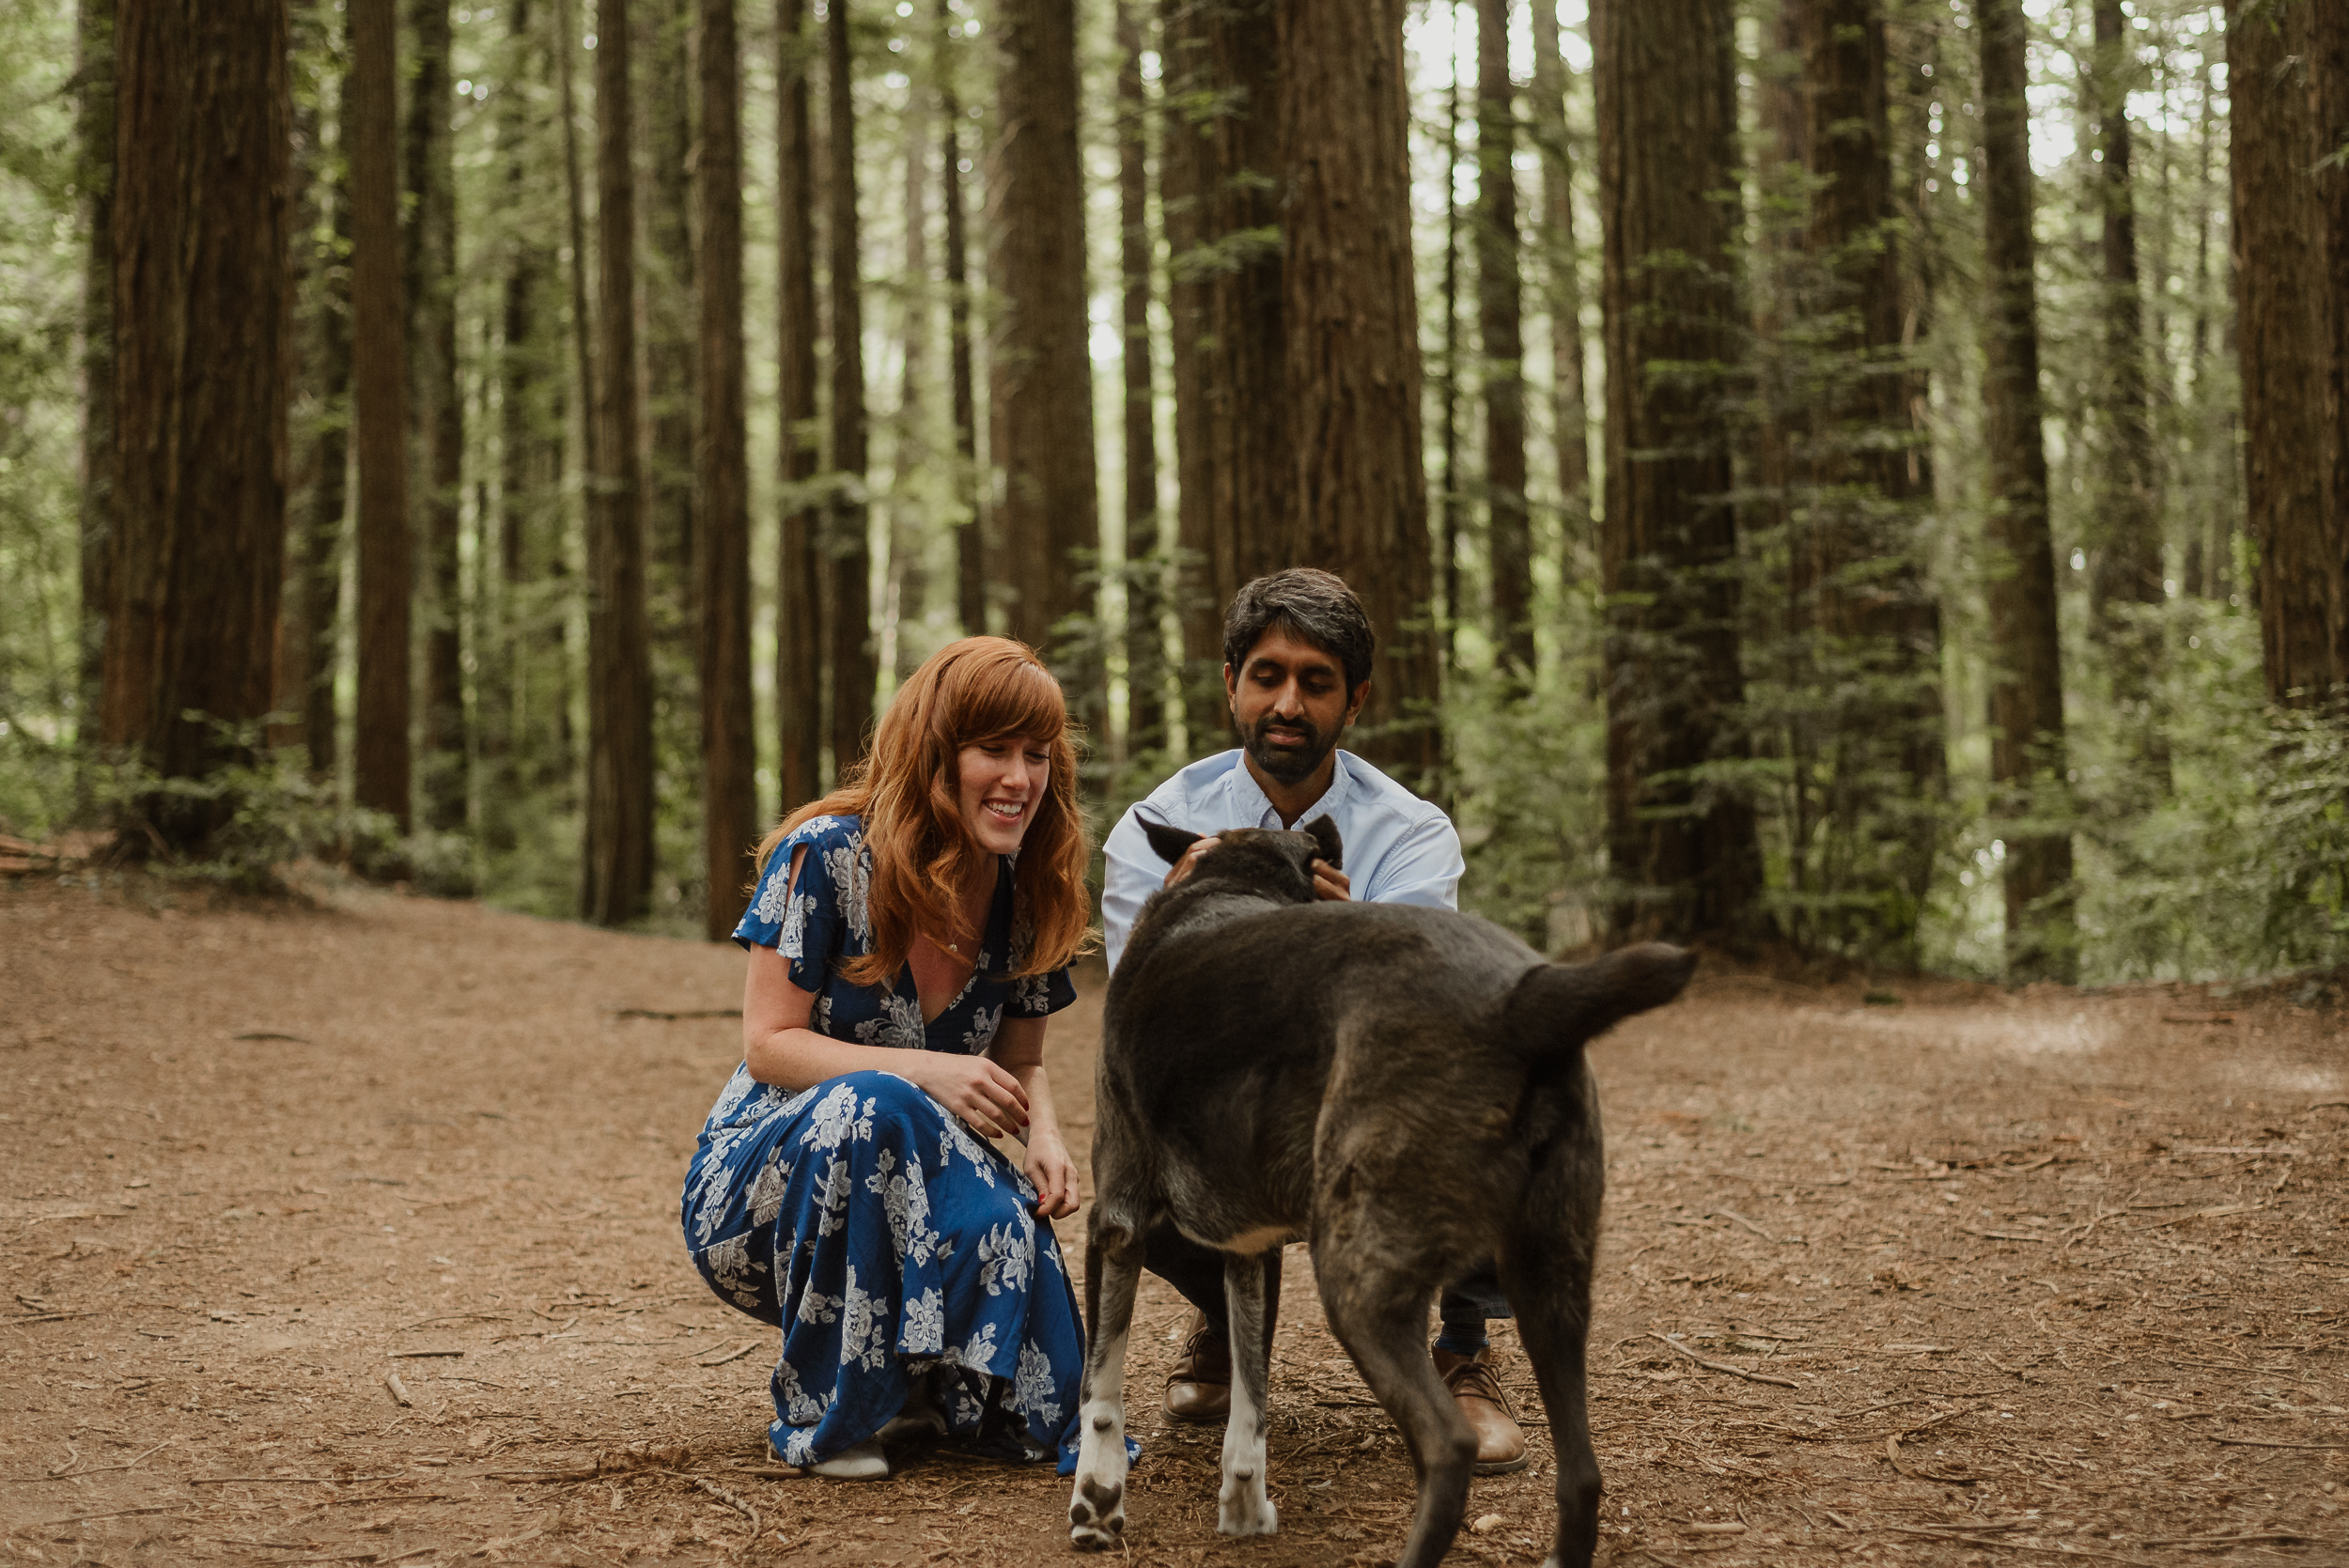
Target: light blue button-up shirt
(1398, 849)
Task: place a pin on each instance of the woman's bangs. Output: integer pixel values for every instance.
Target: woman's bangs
(1010, 696)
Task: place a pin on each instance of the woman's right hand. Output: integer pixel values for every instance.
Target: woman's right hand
(975, 1089)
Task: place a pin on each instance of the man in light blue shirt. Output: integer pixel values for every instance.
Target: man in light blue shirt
(1297, 652)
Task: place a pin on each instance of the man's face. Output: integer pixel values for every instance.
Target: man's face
(1290, 701)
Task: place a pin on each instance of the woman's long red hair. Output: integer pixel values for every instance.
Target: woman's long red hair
(907, 792)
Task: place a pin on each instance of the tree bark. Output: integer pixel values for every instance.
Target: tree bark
(436, 405)
(2026, 746)
(853, 665)
(1562, 260)
(1351, 370)
(799, 635)
(319, 551)
(1685, 852)
(619, 827)
(671, 466)
(380, 761)
(2126, 545)
(94, 131)
(1452, 506)
(1508, 537)
(1146, 652)
(970, 565)
(2282, 335)
(909, 513)
(723, 540)
(1220, 189)
(2329, 68)
(201, 230)
(1040, 411)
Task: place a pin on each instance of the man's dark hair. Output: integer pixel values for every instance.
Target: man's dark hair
(1309, 604)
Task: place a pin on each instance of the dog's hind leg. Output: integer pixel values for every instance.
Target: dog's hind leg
(1243, 1507)
(1381, 1319)
(1096, 1506)
(1545, 1271)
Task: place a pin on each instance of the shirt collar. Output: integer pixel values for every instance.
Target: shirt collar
(1250, 804)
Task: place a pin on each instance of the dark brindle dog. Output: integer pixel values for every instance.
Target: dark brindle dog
(1404, 1088)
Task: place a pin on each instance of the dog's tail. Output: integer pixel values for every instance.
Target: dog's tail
(1558, 1007)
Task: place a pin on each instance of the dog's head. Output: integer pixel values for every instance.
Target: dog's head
(1276, 865)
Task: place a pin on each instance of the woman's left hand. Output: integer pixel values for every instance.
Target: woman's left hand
(1049, 1167)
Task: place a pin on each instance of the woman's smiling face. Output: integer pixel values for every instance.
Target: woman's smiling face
(1003, 782)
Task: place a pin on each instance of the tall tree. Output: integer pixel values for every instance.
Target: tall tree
(94, 130)
(1500, 308)
(2027, 744)
(619, 827)
(200, 242)
(671, 466)
(1685, 850)
(1220, 182)
(722, 505)
(970, 578)
(2283, 329)
(1452, 505)
(853, 664)
(1351, 306)
(1145, 659)
(1040, 411)
(798, 634)
(380, 759)
(319, 538)
(1876, 628)
(1563, 262)
(909, 513)
(436, 403)
(2127, 539)
(2328, 69)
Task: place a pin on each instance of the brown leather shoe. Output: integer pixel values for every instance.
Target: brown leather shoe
(1200, 1386)
(1499, 1446)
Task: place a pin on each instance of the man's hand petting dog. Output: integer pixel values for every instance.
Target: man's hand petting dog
(1331, 884)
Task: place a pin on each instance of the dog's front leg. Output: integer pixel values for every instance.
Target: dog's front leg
(1243, 1506)
(1096, 1506)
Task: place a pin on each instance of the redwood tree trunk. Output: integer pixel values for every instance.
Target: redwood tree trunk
(1220, 181)
(853, 664)
(1685, 853)
(378, 370)
(2283, 330)
(201, 230)
(723, 540)
(1508, 535)
(319, 554)
(799, 635)
(1562, 258)
(2127, 539)
(619, 829)
(2328, 65)
(1356, 491)
(94, 130)
(671, 466)
(436, 404)
(1146, 657)
(2027, 747)
(1040, 414)
(970, 574)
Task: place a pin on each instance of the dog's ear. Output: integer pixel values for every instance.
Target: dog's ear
(1168, 843)
(1325, 833)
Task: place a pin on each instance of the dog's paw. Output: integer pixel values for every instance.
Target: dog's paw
(1242, 1508)
(1097, 1515)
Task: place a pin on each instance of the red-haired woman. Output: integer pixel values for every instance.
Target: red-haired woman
(909, 935)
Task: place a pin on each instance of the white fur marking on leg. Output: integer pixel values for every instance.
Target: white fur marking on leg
(1242, 1505)
(1097, 1501)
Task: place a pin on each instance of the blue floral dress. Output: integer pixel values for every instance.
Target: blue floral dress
(864, 1218)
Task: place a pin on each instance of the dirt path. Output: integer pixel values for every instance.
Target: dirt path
(1968, 1279)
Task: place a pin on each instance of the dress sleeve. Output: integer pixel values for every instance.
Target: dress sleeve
(802, 920)
(1040, 996)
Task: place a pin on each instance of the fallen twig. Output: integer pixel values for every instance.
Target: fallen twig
(734, 1355)
(674, 1017)
(1724, 1366)
(398, 1389)
(1931, 1533)
(2264, 1443)
(731, 1499)
(290, 1480)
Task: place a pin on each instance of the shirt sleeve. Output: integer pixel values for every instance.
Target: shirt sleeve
(801, 921)
(1040, 996)
(1424, 868)
(1130, 872)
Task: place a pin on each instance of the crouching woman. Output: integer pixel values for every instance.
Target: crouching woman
(909, 937)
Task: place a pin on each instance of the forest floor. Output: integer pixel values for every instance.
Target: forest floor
(323, 1223)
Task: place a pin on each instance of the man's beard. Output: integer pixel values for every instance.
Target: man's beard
(1288, 764)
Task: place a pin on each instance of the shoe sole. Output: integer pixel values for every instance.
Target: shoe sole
(1503, 1467)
